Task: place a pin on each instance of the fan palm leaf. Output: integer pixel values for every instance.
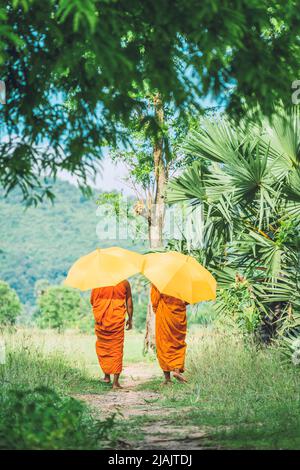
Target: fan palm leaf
(246, 179)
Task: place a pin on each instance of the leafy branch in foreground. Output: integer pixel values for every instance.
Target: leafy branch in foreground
(74, 70)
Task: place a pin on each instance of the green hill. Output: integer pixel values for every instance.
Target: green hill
(43, 242)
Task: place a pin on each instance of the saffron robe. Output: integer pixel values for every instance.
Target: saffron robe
(109, 308)
(170, 330)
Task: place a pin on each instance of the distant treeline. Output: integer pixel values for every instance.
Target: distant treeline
(42, 242)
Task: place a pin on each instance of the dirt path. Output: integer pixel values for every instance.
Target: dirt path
(132, 403)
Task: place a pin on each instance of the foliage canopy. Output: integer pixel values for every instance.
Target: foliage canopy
(75, 69)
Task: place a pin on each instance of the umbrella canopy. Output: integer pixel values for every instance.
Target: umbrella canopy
(180, 276)
(104, 267)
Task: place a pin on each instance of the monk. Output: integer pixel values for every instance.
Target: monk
(170, 331)
(110, 305)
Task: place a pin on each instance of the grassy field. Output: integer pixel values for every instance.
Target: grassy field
(246, 396)
(67, 361)
(42, 370)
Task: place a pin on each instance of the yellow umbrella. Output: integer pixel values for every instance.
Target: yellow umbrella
(104, 267)
(180, 276)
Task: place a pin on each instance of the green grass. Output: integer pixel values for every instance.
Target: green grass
(133, 348)
(246, 395)
(37, 380)
(69, 356)
(43, 359)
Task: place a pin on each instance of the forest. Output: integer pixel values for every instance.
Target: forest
(32, 247)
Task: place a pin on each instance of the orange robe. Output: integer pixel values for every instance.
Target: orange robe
(109, 308)
(170, 330)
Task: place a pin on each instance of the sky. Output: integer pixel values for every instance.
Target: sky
(111, 177)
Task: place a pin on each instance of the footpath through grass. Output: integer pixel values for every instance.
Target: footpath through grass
(245, 396)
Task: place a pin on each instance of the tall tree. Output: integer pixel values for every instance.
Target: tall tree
(71, 69)
(156, 207)
(160, 166)
(150, 160)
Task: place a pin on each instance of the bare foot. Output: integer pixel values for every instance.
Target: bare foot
(167, 382)
(179, 377)
(106, 380)
(117, 386)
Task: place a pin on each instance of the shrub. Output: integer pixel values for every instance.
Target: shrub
(237, 305)
(10, 305)
(43, 419)
(61, 307)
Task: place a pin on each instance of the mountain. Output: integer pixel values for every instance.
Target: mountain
(42, 242)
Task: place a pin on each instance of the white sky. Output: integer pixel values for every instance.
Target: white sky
(111, 177)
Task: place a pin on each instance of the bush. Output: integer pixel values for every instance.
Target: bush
(86, 324)
(203, 313)
(61, 307)
(139, 317)
(10, 305)
(43, 419)
(236, 306)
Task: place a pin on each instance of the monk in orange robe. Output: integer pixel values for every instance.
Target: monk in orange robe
(170, 332)
(109, 307)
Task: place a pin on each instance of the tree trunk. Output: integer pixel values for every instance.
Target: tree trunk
(155, 242)
(149, 341)
(156, 216)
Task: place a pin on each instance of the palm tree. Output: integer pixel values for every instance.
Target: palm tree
(246, 180)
